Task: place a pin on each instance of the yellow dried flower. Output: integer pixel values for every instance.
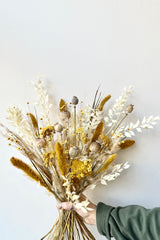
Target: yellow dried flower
(29, 171)
(107, 163)
(61, 159)
(80, 169)
(46, 131)
(105, 139)
(104, 100)
(127, 143)
(97, 131)
(62, 105)
(48, 157)
(83, 137)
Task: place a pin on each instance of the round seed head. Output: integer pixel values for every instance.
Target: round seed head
(75, 100)
(40, 142)
(95, 146)
(74, 151)
(129, 108)
(58, 127)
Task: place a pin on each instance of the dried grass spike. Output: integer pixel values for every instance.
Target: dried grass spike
(29, 171)
(97, 131)
(62, 105)
(33, 120)
(107, 163)
(61, 159)
(127, 143)
(104, 100)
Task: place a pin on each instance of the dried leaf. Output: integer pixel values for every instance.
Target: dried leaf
(62, 105)
(105, 139)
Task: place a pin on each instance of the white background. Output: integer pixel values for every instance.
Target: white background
(78, 45)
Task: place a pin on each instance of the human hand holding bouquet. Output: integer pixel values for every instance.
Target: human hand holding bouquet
(75, 153)
(88, 217)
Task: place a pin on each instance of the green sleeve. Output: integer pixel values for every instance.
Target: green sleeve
(132, 222)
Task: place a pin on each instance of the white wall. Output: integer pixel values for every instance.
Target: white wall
(78, 45)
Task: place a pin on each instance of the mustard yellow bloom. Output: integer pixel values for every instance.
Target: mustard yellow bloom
(80, 169)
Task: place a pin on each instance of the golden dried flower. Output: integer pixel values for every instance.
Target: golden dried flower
(48, 157)
(47, 131)
(80, 169)
(83, 137)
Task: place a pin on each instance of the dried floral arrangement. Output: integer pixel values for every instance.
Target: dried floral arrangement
(75, 153)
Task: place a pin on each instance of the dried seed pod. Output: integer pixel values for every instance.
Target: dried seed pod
(75, 100)
(129, 108)
(74, 151)
(64, 115)
(95, 146)
(58, 127)
(40, 142)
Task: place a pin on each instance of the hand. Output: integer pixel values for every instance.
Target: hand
(89, 217)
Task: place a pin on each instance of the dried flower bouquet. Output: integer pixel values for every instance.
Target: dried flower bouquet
(75, 153)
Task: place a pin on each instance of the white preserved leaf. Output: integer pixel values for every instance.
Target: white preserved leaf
(136, 124)
(75, 197)
(150, 118)
(127, 134)
(157, 118)
(139, 130)
(103, 182)
(126, 165)
(92, 186)
(154, 123)
(132, 133)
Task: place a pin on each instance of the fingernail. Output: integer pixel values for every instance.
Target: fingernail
(60, 205)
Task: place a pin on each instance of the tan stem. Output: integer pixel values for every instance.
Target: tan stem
(125, 115)
(75, 124)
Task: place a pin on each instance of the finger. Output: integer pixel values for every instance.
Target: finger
(65, 205)
(59, 206)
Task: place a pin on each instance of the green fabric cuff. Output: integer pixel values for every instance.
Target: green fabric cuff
(102, 219)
